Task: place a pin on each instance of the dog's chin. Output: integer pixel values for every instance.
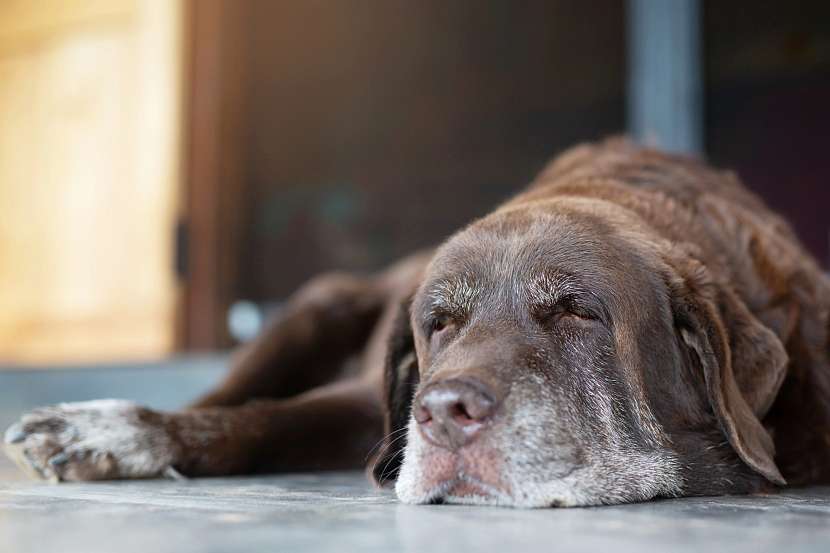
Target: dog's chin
(481, 475)
(446, 479)
(466, 490)
(473, 475)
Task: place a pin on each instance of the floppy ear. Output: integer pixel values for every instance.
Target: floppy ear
(743, 362)
(399, 382)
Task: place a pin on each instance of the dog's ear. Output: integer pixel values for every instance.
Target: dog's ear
(399, 382)
(743, 362)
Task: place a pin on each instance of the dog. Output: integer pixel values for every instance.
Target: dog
(634, 325)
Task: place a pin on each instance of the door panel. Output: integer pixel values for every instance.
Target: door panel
(89, 178)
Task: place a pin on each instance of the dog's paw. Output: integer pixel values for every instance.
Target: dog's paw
(91, 440)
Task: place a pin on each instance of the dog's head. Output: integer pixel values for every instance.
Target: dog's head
(557, 354)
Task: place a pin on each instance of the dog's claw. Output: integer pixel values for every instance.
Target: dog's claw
(173, 474)
(15, 434)
(58, 460)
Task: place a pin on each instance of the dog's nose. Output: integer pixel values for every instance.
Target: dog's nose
(452, 413)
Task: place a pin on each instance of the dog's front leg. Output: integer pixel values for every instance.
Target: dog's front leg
(331, 427)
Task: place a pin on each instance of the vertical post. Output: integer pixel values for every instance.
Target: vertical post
(665, 82)
(215, 172)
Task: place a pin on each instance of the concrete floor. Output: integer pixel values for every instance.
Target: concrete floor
(341, 512)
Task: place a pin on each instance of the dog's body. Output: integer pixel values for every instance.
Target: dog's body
(615, 333)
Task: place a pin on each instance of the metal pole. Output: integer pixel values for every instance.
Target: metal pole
(665, 81)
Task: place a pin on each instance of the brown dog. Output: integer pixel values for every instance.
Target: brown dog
(634, 325)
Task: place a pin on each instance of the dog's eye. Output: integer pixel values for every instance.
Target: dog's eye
(563, 311)
(439, 324)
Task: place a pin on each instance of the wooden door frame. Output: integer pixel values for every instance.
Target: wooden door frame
(214, 172)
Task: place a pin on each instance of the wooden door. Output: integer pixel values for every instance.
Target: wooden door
(89, 178)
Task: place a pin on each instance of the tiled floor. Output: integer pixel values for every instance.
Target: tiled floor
(341, 512)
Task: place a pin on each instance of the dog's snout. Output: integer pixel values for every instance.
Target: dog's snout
(453, 412)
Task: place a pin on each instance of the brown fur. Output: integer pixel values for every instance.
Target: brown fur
(742, 353)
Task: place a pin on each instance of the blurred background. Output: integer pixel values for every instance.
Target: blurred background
(170, 170)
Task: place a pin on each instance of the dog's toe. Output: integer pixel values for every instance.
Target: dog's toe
(14, 434)
(59, 460)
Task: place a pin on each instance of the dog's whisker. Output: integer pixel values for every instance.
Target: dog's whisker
(382, 440)
(380, 455)
(384, 443)
(384, 450)
(392, 458)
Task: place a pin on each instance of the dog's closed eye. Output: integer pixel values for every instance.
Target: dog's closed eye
(567, 309)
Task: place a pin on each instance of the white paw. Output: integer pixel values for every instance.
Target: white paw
(91, 440)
